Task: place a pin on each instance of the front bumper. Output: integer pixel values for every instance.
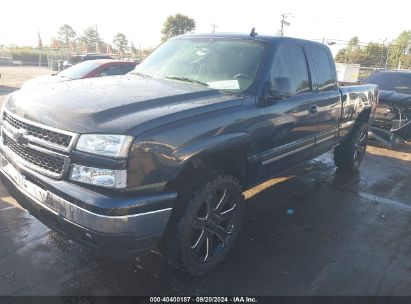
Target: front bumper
(90, 218)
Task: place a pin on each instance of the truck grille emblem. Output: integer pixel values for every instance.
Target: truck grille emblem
(19, 137)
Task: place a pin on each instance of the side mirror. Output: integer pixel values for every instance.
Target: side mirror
(280, 88)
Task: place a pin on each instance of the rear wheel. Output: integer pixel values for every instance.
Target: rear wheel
(207, 226)
(350, 153)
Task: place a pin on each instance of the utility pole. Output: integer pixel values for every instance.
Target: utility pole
(284, 22)
(382, 51)
(407, 51)
(97, 42)
(386, 59)
(214, 26)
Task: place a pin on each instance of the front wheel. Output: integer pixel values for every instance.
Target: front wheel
(208, 226)
(350, 153)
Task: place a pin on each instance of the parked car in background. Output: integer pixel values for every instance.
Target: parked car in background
(392, 120)
(80, 58)
(86, 69)
(6, 61)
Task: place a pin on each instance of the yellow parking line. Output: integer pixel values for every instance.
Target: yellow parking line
(11, 201)
(257, 189)
(8, 208)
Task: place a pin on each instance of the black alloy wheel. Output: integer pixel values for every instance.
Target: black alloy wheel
(213, 225)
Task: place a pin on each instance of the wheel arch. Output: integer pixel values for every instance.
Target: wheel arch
(226, 156)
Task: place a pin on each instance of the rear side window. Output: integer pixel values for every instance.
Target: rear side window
(112, 70)
(290, 62)
(323, 69)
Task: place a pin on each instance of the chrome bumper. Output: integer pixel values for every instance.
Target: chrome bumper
(141, 225)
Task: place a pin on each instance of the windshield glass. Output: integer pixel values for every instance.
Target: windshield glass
(397, 82)
(229, 65)
(79, 70)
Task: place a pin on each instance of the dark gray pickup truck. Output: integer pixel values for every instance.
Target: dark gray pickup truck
(160, 157)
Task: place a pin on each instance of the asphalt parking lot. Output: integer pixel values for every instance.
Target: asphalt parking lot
(313, 232)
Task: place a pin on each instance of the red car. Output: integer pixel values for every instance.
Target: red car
(86, 69)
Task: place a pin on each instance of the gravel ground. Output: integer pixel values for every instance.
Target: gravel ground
(13, 77)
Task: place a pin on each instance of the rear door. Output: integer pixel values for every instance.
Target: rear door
(327, 97)
(288, 127)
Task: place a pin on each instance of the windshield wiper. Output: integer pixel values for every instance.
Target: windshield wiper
(187, 80)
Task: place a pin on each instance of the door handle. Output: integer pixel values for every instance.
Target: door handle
(312, 109)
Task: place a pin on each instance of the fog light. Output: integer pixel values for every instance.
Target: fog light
(99, 177)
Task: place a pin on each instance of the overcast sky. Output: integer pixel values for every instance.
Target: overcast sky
(141, 21)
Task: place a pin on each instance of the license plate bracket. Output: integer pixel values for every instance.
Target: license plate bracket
(22, 182)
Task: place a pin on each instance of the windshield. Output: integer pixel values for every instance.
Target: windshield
(397, 82)
(229, 65)
(79, 70)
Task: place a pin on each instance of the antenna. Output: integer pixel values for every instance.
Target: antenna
(253, 32)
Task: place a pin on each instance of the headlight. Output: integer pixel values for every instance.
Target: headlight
(106, 145)
(99, 177)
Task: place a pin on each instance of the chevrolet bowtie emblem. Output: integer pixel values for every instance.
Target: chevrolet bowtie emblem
(19, 137)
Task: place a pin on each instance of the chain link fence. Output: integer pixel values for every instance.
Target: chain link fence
(371, 56)
(53, 57)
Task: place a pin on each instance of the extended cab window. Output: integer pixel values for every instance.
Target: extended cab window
(323, 69)
(290, 62)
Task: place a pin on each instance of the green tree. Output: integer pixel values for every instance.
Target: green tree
(120, 42)
(177, 25)
(372, 55)
(354, 43)
(376, 54)
(133, 48)
(341, 55)
(397, 51)
(65, 35)
(91, 38)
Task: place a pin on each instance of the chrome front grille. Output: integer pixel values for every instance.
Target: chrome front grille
(37, 147)
(41, 133)
(46, 136)
(49, 162)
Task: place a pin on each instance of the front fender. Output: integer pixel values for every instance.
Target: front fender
(209, 145)
(153, 163)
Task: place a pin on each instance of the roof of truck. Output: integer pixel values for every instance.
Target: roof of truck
(257, 37)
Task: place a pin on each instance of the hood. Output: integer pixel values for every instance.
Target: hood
(43, 81)
(391, 97)
(128, 104)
